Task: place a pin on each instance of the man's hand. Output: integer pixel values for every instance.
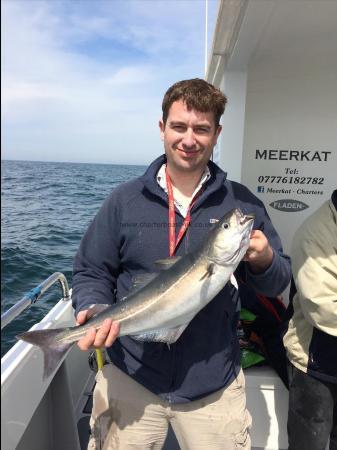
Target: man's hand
(104, 337)
(259, 254)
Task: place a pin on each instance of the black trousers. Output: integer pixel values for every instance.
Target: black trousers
(312, 414)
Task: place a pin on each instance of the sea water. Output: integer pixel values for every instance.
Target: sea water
(45, 209)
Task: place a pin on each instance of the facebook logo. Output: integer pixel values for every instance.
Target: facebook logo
(260, 189)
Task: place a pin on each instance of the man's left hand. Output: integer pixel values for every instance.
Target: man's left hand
(259, 254)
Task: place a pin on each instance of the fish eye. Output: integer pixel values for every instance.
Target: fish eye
(225, 225)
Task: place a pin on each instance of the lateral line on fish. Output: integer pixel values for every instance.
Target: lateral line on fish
(148, 304)
(79, 334)
(157, 298)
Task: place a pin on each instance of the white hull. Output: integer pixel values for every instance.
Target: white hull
(43, 415)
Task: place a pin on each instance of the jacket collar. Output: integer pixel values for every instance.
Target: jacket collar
(334, 198)
(149, 179)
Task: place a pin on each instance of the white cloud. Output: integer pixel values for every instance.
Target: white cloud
(94, 69)
(131, 75)
(28, 91)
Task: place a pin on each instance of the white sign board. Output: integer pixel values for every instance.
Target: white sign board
(292, 183)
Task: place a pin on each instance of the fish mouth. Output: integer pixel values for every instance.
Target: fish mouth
(246, 219)
(243, 243)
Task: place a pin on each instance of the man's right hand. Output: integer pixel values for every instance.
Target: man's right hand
(104, 337)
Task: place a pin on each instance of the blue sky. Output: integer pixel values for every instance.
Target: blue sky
(83, 80)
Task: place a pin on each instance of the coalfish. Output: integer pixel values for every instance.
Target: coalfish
(162, 308)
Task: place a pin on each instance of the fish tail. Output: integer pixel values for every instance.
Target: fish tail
(53, 350)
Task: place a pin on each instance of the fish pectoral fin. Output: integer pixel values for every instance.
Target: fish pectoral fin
(209, 272)
(164, 264)
(166, 335)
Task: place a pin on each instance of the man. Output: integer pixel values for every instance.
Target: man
(196, 384)
(311, 339)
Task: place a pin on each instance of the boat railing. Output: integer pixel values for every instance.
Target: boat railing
(34, 295)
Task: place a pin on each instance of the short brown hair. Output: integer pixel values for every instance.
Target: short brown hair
(197, 94)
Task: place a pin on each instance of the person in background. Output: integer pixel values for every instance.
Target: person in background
(311, 339)
(195, 384)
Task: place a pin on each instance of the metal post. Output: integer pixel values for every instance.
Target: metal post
(34, 295)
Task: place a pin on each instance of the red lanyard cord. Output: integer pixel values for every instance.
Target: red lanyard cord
(173, 242)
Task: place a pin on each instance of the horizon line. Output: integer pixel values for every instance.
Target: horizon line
(72, 162)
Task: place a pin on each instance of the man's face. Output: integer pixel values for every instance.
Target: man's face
(189, 137)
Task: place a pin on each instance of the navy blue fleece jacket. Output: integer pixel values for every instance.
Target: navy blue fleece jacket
(128, 234)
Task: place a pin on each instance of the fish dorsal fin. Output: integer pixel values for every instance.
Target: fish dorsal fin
(141, 280)
(164, 264)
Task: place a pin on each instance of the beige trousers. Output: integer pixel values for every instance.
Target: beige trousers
(127, 416)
